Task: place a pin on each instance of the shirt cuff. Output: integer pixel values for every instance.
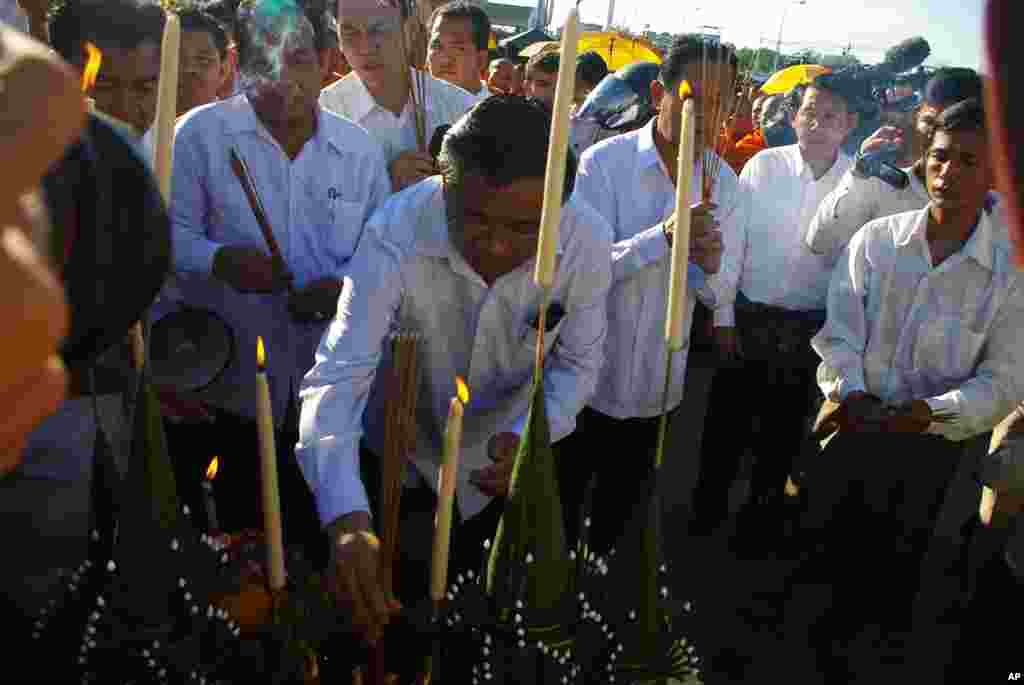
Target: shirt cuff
(198, 258)
(850, 382)
(943, 404)
(652, 244)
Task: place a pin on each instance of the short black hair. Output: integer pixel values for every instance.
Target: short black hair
(846, 89)
(495, 63)
(246, 11)
(123, 24)
(968, 115)
(193, 18)
(502, 139)
(952, 85)
(544, 61)
(226, 14)
(462, 9)
(686, 49)
(591, 68)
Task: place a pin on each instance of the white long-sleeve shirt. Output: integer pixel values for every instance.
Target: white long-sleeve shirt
(316, 204)
(855, 202)
(625, 180)
(767, 257)
(902, 329)
(407, 273)
(444, 103)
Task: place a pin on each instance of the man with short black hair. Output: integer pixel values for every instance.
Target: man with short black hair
(773, 292)
(203, 59)
(861, 195)
(541, 76)
(920, 359)
(129, 33)
(453, 258)
(376, 94)
(460, 32)
(502, 77)
(590, 70)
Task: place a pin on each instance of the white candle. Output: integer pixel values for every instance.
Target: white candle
(681, 238)
(554, 179)
(268, 469)
(167, 105)
(446, 494)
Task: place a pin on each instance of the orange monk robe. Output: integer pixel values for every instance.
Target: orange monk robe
(738, 155)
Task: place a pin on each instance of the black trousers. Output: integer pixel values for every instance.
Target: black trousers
(616, 454)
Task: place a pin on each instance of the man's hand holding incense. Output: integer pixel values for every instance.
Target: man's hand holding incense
(355, 576)
(410, 168)
(249, 270)
(494, 479)
(705, 237)
(316, 302)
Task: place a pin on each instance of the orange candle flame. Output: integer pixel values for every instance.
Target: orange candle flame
(685, 90)
(462, 390)
(211, 470)
(261, 354)
(92, 67)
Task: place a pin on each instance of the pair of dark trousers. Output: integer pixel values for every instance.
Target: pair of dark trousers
(763, 403)
(617, 455)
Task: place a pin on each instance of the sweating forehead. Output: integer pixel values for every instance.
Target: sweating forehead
(821, 97)
(973, 141)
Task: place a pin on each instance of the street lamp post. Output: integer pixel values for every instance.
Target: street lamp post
(782, 22)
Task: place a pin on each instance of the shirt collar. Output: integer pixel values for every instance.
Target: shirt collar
(980, 246)
(363, 103)
(803, 169)
(645, 147)
(243, 119)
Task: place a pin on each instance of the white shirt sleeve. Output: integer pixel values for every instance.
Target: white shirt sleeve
(193, 251)
(843, 339)
(853, 203)
(734, 240)
(335, 391)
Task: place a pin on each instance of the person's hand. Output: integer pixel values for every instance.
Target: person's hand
(494, 480)
(355, 576)
(728, 344)
(409, 168)
(912, 417)
(861, 412)
(249, 270)
(885, 136)
(705, 237)
(34, 8)
(318, 301)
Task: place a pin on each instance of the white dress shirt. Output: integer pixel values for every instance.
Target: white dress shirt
(856, 201)
(407, 274)
(767, 258)
(316, 204)
(444, 104)
(902, 329)
(625, 180)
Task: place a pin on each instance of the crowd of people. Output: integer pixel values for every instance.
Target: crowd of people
(862, 317)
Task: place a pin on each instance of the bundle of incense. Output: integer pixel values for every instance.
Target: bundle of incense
(717, 106)
(245, 179)
(400, 432)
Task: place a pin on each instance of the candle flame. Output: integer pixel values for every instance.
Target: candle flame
(261, 354)
(462, 390)
(92, 67)
(685, 90)
(211, 470)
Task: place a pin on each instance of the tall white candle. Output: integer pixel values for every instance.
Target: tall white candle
(554, 179)
(681, 238)
(273, 536)
(167, 105)
(446, 494)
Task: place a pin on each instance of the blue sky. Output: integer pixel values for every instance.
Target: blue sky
(952, 27)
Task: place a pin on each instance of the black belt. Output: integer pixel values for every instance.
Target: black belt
(771, 333)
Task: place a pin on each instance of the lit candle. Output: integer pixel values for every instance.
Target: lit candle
(446, 492)
(554, 179)
(268, 469)
(167, 104)
(90, 72)
(681, 238)
(212, 524)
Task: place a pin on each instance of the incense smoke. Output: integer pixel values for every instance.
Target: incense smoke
(273, 29)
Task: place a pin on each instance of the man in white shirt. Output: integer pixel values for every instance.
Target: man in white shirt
(630, 181)
(773, 293)
(376, 94)
(453, 257)
(921, 353)
(457, 49)
(319, 177)
(862, 195)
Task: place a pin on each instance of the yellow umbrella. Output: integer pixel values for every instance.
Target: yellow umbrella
(791, 77)
(543, 46)
(618, 50)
